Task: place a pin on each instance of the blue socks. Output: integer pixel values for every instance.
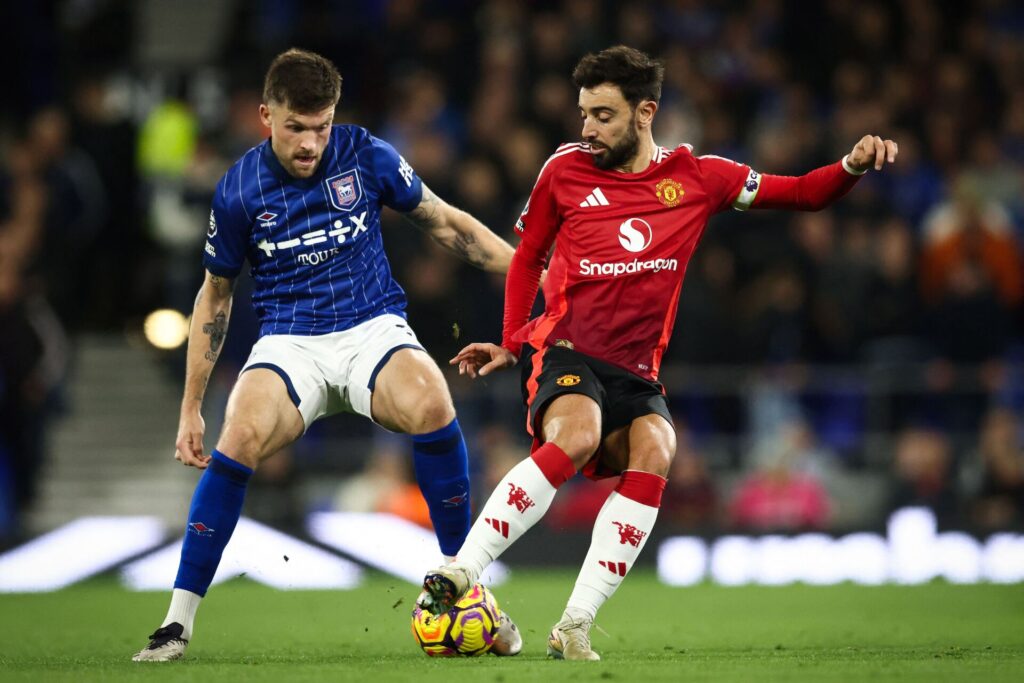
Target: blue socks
(442, 471)
(216, 507)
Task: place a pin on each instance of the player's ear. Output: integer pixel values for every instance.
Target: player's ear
(645, 113)
(265, 115)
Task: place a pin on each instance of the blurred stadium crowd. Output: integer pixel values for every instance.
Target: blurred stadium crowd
(881, 337)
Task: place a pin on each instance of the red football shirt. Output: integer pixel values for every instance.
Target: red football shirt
(622, 243)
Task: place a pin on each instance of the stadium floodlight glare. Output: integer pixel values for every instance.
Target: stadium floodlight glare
(389, 543)
(256, 552)
(166, 328)
(76, 551)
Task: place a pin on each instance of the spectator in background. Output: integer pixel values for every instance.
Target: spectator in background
(971, 231)
(915, 187)
(33, 348)
(76, 208)
(991, 177)
(998, 501)
(893, 323)
(921, 464)
(785, 492)
(105, 133)
(385, 484)
(972, 279)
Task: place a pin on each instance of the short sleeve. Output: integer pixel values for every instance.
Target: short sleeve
(538, 223)
(401, 188)
(728, 183)
(227, 235)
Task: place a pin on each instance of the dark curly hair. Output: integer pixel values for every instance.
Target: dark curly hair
(636, 74)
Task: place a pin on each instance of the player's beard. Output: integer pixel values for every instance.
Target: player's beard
(622, 153)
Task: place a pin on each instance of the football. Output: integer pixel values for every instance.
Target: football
(468, 629)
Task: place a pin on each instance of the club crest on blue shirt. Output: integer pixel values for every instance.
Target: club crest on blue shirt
(345, 190)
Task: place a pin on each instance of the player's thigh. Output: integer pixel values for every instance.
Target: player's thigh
(564, 401)
(261, 417)
(572, 422)
(410, 394)
(647, 444)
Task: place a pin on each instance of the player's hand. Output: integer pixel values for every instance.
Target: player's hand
(483, 359)
(189, 444)
(872, 152)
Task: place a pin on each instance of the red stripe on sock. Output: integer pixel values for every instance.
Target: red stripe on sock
(556, 466)
(643, 487)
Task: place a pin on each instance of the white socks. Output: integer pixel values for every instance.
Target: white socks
(184, 605)
(622, 528)
(516, 504)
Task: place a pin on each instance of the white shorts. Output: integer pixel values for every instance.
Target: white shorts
(333, 373)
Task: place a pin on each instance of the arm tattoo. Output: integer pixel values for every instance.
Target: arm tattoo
(427, 215)
(217, 330)
(467, 248)
(429, 218)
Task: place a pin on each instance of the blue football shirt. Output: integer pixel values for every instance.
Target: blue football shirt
(314, 244)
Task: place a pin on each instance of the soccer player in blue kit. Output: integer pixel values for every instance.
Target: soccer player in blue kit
(304, 209)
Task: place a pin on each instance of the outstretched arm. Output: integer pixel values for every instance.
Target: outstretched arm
(460, 233)
(821, 187)
(210, 316)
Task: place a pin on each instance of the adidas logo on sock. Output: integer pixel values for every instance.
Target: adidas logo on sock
(595, 198)
(617, 568)
(500, 526)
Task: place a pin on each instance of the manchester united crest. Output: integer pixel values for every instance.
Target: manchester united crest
(669, 192)
(568, 380)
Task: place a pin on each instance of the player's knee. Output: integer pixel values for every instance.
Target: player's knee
(431, 414)
(654, 460)
(578, 438)
(242, 441)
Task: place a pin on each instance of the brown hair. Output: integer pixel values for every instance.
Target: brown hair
(302, 81)
(636, 74)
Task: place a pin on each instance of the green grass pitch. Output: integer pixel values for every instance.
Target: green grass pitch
(246, 632)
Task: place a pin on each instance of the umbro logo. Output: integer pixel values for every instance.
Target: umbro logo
(595, 198)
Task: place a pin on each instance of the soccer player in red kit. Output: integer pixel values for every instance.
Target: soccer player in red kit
(624, 216)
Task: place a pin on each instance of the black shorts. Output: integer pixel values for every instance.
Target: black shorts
(621, 395)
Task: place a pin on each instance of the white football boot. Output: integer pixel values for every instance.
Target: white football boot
(570, 639)
(165, 645)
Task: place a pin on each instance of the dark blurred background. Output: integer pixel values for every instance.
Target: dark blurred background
(826, 368)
